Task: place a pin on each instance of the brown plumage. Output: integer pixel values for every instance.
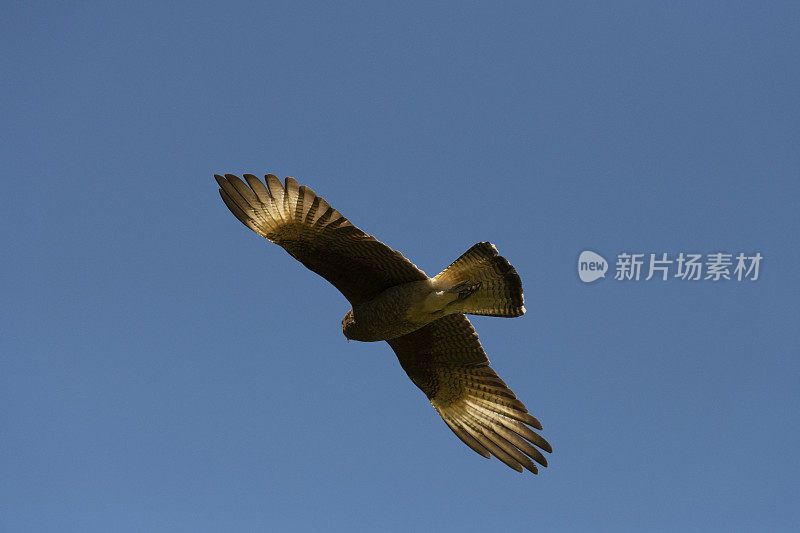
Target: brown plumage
(423, 319)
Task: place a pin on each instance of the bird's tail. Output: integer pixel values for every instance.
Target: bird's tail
(485, 282)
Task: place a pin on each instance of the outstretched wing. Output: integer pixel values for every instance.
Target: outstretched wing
(446, 361)
(314, 233)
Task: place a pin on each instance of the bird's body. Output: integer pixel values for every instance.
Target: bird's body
(423, 319)
(395, 312)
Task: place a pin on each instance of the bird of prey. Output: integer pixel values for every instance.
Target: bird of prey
(423, 319)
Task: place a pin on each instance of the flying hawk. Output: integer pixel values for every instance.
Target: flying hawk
(423, 319)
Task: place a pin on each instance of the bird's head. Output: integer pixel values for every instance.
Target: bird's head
(349, 325)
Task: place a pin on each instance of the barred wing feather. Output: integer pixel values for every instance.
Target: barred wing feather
(446, 361)
(317, 235)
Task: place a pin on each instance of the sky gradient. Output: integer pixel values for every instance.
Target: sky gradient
(162, 368)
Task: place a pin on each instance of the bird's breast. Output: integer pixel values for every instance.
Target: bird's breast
(395, 312)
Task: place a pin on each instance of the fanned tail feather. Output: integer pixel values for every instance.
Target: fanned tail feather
(494, 285)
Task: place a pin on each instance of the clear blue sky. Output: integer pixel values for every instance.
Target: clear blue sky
(164, 369)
